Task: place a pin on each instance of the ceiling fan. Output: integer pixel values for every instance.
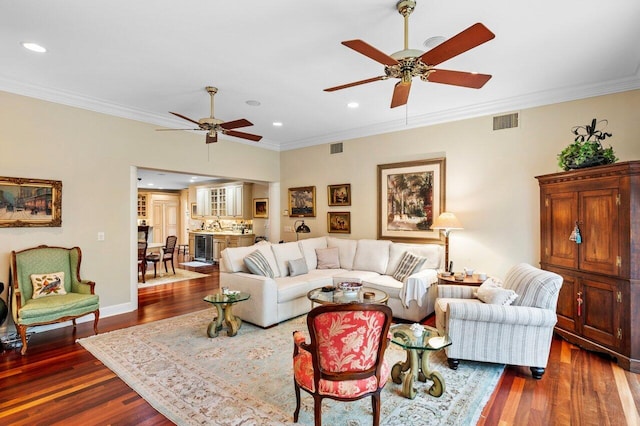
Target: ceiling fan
(408, 63)
(213, 125)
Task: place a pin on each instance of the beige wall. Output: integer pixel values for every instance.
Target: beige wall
(490, 182)
(95, 156)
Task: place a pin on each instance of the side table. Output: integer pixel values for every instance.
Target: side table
(416, 366)
(468, 280)
(224, 303)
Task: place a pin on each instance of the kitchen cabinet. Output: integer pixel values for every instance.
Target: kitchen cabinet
(239, 200)
(600, 296)
(203, 201)
(228, 201)
(142, 206)
(219, 204)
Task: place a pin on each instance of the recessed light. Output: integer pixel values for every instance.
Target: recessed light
(149, 184)
(277, 124)
(253, 102)
(34, 47)
(353, 105)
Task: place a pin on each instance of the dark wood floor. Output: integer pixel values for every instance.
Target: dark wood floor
(58, 382)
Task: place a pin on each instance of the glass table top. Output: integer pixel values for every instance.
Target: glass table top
(429, 339)
(365, 295)
(220, 298)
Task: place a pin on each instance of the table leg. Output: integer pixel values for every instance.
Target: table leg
(233, 323)
(413, 365)
(216, 325)
(438, 386)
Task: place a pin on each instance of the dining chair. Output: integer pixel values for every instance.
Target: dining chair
(344, 360)
(142, 258)
(168, 252)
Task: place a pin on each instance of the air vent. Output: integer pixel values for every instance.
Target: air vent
(505, 121)
(336, 148)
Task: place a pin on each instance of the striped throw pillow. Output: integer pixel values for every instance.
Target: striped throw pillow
(407, 266)
(258, 264)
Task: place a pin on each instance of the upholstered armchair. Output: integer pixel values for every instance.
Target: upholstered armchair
(345, 357)
(518, 333)
(47, 288)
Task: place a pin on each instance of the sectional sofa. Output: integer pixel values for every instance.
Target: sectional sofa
(279, 276)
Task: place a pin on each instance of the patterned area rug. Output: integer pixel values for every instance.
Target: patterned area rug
(167, 278)
(248, 379)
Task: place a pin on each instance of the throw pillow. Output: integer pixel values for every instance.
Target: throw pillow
(328, 258)
(298, 267)
(408, 264)
(258, 264)
(491, 292)
(51, 284)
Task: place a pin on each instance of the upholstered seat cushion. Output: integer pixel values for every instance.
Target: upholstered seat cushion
(51, 308)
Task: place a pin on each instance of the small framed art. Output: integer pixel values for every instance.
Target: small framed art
(339, 222)
(339, 195)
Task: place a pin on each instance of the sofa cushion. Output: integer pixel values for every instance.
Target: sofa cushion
(52, 308)
(434, 254)
(45, 285)
(298, 267)
(407, 266)
(347, 250)
(258, 264)
(372, 255)
(353, 276)
(233, 257)
(386, 283)
(536, 287)
(491, 292)
(308, 247)
(284, 253)
(328, 258)
(291, 288)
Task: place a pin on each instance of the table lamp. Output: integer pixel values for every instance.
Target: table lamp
(301, 229)
(447, 222)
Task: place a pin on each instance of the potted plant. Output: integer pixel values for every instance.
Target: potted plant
(586, 149)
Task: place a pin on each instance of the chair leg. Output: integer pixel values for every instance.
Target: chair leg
(95, 321)
(375, 403)
(22, 331)
(297, 412)
(317, 410)
(537, 372)
(73, 321)
(453, 363)
(172, 267)
(155, 271)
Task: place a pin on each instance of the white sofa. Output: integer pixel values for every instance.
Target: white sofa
(371, 262)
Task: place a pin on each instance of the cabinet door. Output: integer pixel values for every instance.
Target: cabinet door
(601, 312)
(599, 250)
(234, 201)
(561, 211)
(567, 309)
(203, 201)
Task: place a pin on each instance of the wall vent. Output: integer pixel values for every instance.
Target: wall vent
(336, 148)
(505, 121)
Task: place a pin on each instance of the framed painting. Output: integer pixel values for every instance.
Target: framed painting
(261, 208)
(30, 202)
(339, 195)
(339, 222)
(410, 196)
(302, 201)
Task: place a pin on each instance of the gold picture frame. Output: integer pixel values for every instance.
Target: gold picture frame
(339, 195)
(26, 202)
(260, 208)
(339, 222)
(302, 201)
(410, 196)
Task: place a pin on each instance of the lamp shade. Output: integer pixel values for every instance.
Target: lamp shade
(446, 221)
(302, 229)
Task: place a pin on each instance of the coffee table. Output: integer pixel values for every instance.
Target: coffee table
(365, 295)
(416, 366)
(224, 304)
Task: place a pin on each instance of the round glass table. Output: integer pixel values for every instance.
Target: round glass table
(419, 346)
(224, 303)
(364, 295)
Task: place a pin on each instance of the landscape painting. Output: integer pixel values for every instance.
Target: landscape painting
(302, 201)
(410, 196)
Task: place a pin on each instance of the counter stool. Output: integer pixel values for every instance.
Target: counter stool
(184, 248)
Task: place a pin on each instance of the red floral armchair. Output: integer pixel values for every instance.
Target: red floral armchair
(345, 358)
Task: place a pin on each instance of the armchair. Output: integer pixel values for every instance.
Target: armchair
(60, 294)
(345, 358)
(517, 334)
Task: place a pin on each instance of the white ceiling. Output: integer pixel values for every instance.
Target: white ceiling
(141, 59)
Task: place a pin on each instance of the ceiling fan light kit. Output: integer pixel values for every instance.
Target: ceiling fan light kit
(408, 63)
(213, 125)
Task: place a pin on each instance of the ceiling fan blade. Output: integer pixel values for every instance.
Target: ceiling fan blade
(370, 51)
(356, 83)
(400, 94)
(473, 36)
(459, 78)
(184, 117)
(211, 139)
(235, 124)
(243, 135)
(169, 130)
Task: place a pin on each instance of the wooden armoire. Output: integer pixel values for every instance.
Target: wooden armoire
(599, 303)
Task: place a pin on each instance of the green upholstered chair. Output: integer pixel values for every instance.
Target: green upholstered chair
(79, 300)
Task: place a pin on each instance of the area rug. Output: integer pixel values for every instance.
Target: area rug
(167, 278)
(248, 379)
(195, 264)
